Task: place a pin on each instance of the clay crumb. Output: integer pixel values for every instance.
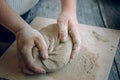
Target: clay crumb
(99, 37)
(113, 46)
(110, 49)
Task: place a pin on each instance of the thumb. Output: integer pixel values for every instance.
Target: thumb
(63, 29)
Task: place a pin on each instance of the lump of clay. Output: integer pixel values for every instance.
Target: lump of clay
(59, 52)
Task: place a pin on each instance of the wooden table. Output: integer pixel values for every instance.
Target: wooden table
(104, 13)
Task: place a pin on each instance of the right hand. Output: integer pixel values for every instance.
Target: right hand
(27, 38)
(68, 24)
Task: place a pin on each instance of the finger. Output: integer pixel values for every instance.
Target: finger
(23, 67)
(76, 41)
(42, 47)
(26, 53)
(63, 28)
(26, 71)
(75, 51)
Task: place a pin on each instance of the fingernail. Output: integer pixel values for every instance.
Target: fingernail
(63, 37)
(45, 56)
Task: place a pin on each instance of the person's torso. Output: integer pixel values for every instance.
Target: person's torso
(21, 6)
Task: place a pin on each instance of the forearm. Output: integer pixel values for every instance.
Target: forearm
(68, 5)
(10, 19)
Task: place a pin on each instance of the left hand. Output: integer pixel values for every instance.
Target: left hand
(68, 24)
(27, 38)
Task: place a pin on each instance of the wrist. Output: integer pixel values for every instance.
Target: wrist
(69, 13)
(21, 27)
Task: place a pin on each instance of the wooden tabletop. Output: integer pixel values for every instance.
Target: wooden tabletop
(100, 57)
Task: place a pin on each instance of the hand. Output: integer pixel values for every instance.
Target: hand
(67, 23)
(27, 38)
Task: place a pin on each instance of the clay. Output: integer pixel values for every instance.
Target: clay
(59, 52)
(83, 67)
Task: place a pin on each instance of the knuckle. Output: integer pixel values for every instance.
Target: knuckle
(42, 46)
(23, 50)
(63, 27)
(70, 32)
(76, 47)
(37, 35)
(62, 20)
(42, 50)
(74, 52)
(37, 38)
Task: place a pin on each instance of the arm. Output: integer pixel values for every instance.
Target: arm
(26, 38)
(10, 19)
(68, 5)
(68, 24)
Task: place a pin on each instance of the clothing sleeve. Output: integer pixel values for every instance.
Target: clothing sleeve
(21, 6)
